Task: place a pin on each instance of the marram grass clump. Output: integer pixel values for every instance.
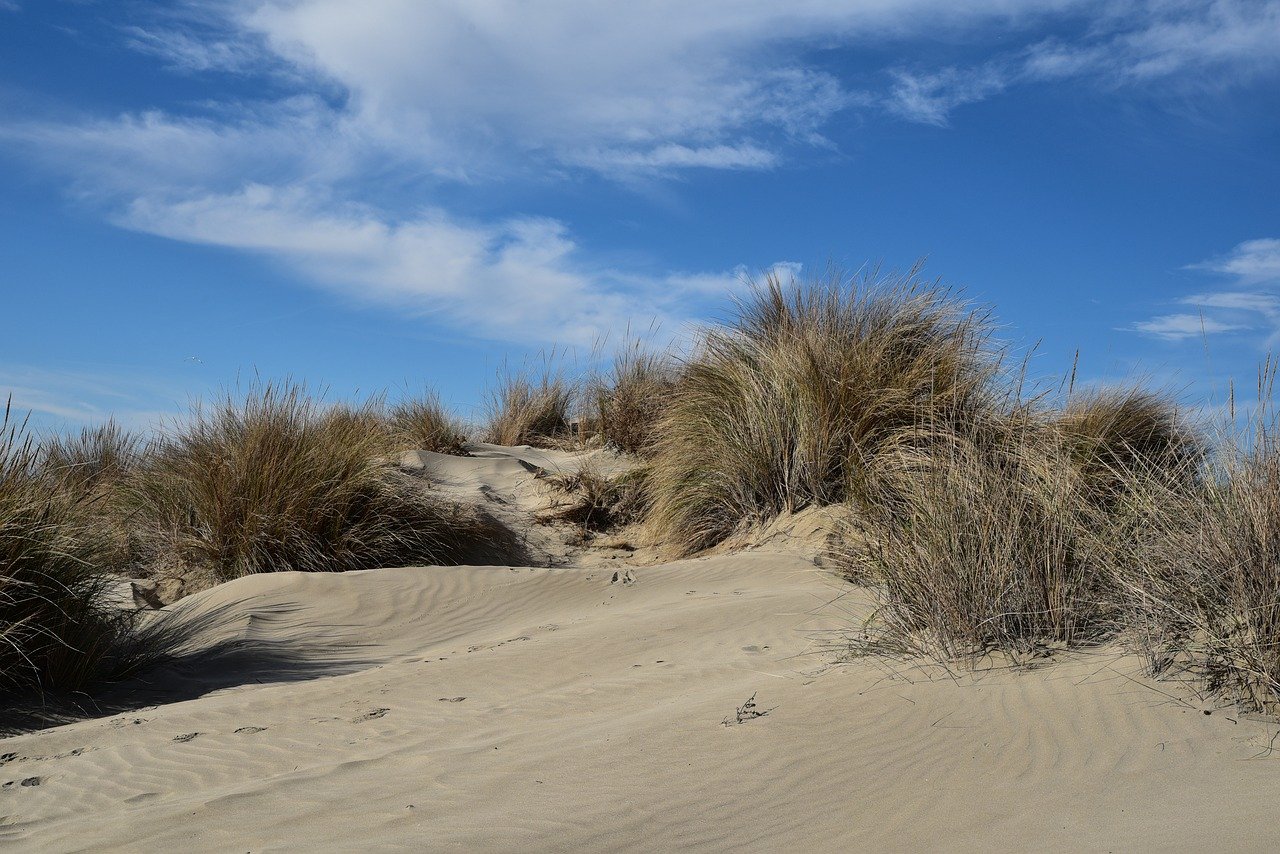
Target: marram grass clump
(270, 481)
(524, 409)
(630, 399)
(59, 631)
(787, 404)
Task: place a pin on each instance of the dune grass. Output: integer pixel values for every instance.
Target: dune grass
(630, 399)
(525, 408)
(597, 503)
(972, 549)
(272, 481)
(87, 470)
(785, 405)
(1199, 569)
(59, 632)
(422, 423)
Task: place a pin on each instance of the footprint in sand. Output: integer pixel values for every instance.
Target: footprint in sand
(185, 737)
(26, 783)
(452, 699)
(250, 730)
(372, 714)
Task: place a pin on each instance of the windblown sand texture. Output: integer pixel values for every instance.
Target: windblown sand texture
(607, 702)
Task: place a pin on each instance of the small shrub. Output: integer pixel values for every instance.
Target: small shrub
(631, 399)
(274, 482)
(787, 404)
(527, 411)
(423, 424)
(58, 631)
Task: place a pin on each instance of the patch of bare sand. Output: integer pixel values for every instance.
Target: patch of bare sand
(495, 708)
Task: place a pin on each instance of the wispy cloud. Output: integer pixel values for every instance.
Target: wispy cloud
(1146, 42)
(60, 398)
(520, 279)
(1250, 303)
(930, 97)
(1178, 327)
(195, 54)
(1250, 262)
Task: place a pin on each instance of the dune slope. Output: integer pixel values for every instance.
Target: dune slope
(588, 707)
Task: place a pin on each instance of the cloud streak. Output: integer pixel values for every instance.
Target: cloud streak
(1251, 304)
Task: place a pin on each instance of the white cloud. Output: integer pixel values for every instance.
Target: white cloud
(408, 95)
(1150, 41)
(1252, 264)
(930, 97)
(1178, 327)
(519, 279)
(1252, 261)
(190, 53)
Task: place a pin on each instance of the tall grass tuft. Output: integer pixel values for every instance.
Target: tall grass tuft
(86, 471)
(96, 458)
(1112, 433)
(787, 404)
(528, 410)
(273, 481)
(629, 401)
(975, 548)
(423, 424)
(1199, 569)
(58, 630)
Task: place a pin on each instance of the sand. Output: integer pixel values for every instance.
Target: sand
(602, 704)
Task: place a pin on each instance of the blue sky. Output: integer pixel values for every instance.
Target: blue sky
(394, 193)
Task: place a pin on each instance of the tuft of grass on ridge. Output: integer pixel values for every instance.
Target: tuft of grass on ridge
(273, 481)
(422, 423)
(1198, 568)
(530, 410)
(629, 401)
(786, 405)
(972, 549)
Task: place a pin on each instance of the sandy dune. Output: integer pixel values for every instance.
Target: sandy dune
(596, 706)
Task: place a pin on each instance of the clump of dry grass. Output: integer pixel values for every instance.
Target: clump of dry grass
(597, 503)
(1198, 569)
(423, 424)
(527, 410)
(273, 481)
(1114, 432)
(630, 400)
(86, 471)
(787, 404)
(58, 631)
(973, 548)
(92, 460)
